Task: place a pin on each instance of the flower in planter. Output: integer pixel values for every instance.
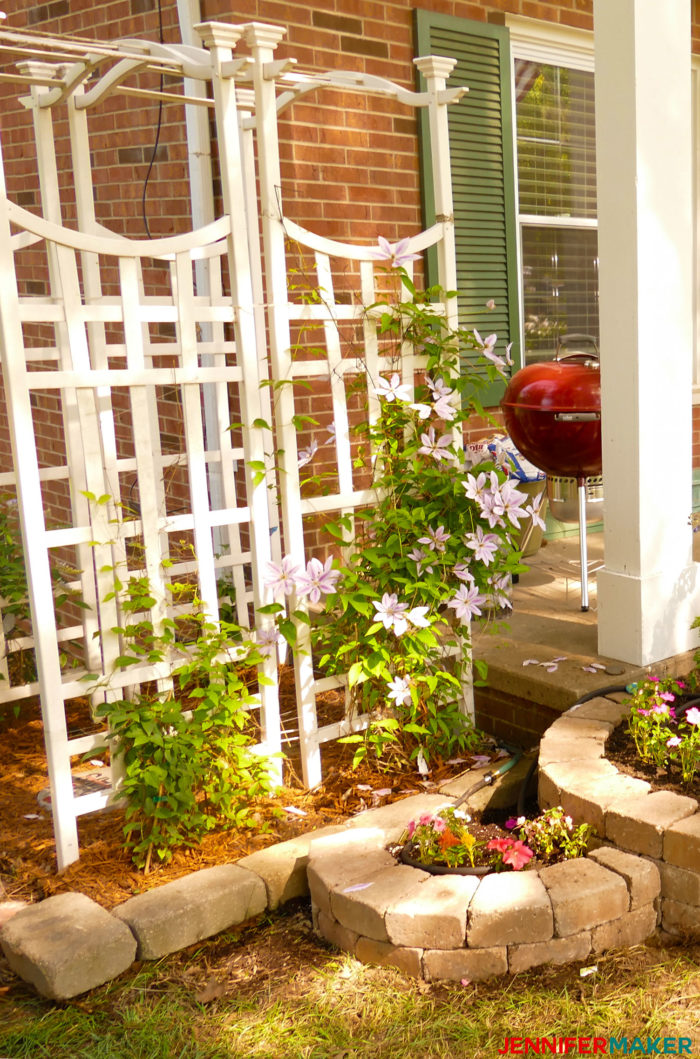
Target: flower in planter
(513, 852)
(665, 735)
(444, 839)
(552, 835)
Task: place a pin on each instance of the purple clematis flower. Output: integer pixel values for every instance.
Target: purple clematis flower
(282, 577)
(396, 254)
(466, 603)
(485, 545)
(437, 448)
(436, 539)
(318, 580)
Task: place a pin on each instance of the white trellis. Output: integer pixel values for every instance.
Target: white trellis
(106, 362)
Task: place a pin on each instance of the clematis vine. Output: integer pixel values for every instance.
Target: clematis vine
(393, 389)
(438, 535)
(397, 255)
(438, 448)
(466, 603)
(318, 580)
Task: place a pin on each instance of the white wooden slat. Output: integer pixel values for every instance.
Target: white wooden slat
(92, 378)
(85, 743)
(92, 803)
(153, 249)
(218, 39)
(348, 726)
(70, 337)
(371, 342)
(262, 42)
(109, 514)
(22, 691)
(149, 474)
(107, 310)
(246, 99)
(36, 554)
(343, 453)
(336, 502)
(352, 252)
(194, 434)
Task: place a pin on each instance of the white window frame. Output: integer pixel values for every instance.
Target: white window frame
(557, 45)
(553, 45)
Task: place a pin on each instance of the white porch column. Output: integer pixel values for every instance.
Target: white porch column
(647, 593)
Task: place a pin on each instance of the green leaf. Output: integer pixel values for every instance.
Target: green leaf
(289, 631)
(356, 674)
(298, 421)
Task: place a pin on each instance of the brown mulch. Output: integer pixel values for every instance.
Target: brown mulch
(105, 872)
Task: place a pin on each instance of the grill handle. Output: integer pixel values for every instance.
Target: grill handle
(576, 417)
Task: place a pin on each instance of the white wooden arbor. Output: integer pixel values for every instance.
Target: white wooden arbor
(232, 332)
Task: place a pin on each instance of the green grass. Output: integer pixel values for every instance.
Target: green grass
(275, 993)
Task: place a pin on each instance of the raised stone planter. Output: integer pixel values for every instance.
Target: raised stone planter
(661, 826)
(455, 927)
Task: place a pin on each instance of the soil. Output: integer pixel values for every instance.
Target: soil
(105, 872)
(28, 870)
(621, 752)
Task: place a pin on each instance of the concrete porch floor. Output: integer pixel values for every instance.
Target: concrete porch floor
(547, 623)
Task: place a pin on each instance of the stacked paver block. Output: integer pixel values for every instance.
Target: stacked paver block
(457, 927)
(66, 945)
(627, 815)
(190, 909)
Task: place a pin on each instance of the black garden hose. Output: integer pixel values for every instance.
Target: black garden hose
(490, 777)
(611, 689)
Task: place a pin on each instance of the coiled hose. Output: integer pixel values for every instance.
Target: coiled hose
(517, 753)
(611, 689)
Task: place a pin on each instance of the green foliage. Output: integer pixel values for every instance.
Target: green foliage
(664, 734)
(553, 836)
(421, 497)
(187, 753)
(429, 553)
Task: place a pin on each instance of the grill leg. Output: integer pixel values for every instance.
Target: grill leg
(583, 539)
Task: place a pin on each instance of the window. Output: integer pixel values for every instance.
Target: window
(555, 151)
(524, 182)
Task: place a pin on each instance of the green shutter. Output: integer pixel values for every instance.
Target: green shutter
(483, 175)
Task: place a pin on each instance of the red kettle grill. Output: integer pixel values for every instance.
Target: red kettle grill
(552, 413)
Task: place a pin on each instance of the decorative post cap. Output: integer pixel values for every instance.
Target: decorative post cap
(262, 34)
(435, 65)
(219, 34)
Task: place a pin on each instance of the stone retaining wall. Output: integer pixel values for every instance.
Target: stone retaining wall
(661, 826)
(463, 927)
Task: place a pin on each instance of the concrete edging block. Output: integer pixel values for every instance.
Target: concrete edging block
(67, 945)
(185, 911)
